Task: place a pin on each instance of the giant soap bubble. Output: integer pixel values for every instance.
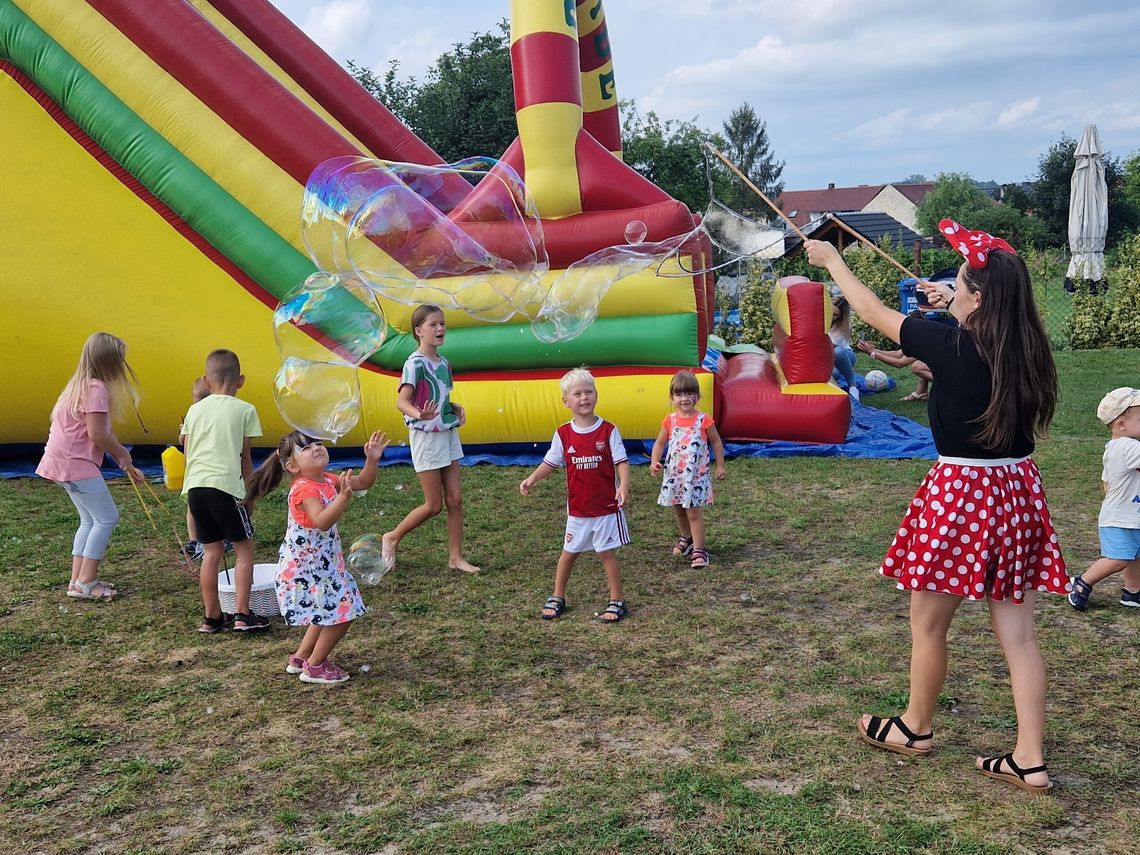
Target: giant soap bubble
(329, 312)
(320, 399)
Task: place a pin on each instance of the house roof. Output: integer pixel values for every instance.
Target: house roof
(807, 203)
(872, 226)
(914, 192)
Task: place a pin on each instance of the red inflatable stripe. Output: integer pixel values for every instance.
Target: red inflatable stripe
(594, 49)
(176, 36)
(546, 58)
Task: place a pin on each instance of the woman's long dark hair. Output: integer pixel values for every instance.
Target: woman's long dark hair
(264, 480)
(1011, 338)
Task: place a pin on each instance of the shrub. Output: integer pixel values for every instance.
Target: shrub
(756, 317)
(1123, 326)
(1087, 324)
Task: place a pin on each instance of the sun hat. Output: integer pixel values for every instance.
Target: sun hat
(1113, 405)
(974, 246)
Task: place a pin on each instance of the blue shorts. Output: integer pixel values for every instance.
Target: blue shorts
(1121, 544)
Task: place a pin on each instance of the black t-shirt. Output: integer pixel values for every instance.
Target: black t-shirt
(961, 391)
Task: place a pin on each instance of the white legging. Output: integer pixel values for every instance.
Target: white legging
(98, 516)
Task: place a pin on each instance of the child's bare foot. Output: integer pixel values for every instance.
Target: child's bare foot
(462, 564)
(388, 550)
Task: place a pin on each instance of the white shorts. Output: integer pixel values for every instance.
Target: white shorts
(597, 533)
(434, 449)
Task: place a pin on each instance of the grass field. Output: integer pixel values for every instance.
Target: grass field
(717, 718)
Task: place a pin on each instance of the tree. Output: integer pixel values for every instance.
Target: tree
(465, 106)
(958, 197)
(915, 178)
(747, 146)
(954, 195)
(672, 155)
(1051, 194)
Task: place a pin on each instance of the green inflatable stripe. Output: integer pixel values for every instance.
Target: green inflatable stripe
(647, 340)
(227, 224)
(274, 263)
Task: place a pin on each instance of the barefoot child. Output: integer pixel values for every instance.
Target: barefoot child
(979, 526)
(314, 587)
(686, 486)
(592, 451)
(433, 421)
(1119, 520)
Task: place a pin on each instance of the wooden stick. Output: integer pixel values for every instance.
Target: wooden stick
(835, 219)
(755, 189)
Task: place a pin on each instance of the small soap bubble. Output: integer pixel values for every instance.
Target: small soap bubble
(635, 231)
(364, 669)
(399, 487)
(209, 710)
(366, 558)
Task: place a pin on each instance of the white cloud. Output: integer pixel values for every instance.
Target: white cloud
(1019, 113)
(342, 27)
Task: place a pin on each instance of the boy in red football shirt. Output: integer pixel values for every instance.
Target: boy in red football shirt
(597, 489)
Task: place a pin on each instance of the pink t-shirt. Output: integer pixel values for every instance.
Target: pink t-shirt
(70, 454)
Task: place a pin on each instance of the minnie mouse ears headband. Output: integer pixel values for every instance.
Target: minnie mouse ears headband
(974, 246)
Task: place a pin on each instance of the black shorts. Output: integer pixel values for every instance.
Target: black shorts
(218, 516)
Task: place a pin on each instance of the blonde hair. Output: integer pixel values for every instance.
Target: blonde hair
(103, 358)
(576, 377)
(199, 390)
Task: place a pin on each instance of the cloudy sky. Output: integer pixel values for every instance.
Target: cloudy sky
(853, 92)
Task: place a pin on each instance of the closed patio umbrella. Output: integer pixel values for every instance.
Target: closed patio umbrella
(1088, 209)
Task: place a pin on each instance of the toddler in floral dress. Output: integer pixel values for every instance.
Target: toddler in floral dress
(687, 487)
(314, 587)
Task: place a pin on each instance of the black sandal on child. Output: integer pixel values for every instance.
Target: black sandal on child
(683, 546)
(553, 604)
(250, 622)
(210, 625)
(878, 728)
(617, 608)
(991, 767)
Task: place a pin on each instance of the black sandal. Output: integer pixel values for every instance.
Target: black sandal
(252, 622)
(878, 728)
(617, 608)
(554, 604)
(210, 625)
(991, 767)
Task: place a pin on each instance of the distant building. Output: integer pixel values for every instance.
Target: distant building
(899, 201)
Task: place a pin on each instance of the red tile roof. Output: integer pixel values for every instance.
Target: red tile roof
(807, 202)
(915, 192)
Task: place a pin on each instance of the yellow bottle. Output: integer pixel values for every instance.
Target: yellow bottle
(173, 468)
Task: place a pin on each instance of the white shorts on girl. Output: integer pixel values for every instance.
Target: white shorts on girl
(596, 533)
(434, 449)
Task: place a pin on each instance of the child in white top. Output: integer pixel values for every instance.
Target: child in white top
(686, 486)
(1119, 520)
(433, 421)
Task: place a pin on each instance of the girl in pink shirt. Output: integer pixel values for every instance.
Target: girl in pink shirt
(80, 434)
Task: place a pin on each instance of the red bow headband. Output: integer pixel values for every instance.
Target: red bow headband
(974, 246)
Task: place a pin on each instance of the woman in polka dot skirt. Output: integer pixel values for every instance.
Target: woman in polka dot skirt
(978, 528)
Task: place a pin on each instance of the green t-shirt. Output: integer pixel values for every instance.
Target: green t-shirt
(216, 429)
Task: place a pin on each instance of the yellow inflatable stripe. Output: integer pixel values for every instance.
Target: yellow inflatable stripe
(780, 310)
(586, 24)
(223, 24)
(551, 130)
(239, 167)
(812, 389)
(592, 100)
(539, 16)
(217, 149)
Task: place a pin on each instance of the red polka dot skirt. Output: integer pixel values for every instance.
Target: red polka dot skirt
(977, 530)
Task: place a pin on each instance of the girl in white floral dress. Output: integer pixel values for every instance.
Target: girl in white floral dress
(314, 587)
(686, 487)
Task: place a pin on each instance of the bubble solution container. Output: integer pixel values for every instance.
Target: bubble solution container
(262, 594)
(173, 468)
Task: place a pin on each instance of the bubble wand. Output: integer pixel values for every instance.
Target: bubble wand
(796, 228)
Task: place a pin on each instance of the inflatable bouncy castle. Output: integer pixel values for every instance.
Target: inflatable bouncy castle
(157, 156)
